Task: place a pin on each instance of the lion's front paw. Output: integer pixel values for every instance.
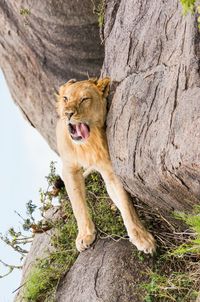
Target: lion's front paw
(83, 242)
(144, 241)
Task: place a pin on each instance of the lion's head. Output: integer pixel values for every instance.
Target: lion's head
(82, 105)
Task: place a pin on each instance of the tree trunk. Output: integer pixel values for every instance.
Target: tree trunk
(152, 54)
(152, 57)
(110, 272)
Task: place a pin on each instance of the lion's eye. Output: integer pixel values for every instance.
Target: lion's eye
(85, 99)
(65, 99)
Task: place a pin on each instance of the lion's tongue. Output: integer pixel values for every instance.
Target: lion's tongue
(82, 130)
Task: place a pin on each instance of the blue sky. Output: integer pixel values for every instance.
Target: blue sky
(24, 162)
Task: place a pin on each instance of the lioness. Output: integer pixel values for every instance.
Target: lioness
(82, 142)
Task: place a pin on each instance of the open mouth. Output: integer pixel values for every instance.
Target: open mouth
(80, 131)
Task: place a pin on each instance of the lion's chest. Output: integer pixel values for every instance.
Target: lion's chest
(91, 154)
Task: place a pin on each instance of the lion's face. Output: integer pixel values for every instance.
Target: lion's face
(83, 106)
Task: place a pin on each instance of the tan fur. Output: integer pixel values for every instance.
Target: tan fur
(93, 154)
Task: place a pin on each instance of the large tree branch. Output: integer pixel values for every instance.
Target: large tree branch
(42, 45)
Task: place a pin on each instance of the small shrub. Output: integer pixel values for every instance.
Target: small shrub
(180, 284)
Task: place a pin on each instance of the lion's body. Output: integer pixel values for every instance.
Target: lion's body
(82, 143)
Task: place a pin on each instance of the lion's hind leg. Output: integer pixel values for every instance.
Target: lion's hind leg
(138, 235)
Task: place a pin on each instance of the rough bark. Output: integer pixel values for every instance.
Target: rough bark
(109, 272)
(152, 55)
(42, 49)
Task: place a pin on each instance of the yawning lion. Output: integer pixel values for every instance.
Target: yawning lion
(82, 143)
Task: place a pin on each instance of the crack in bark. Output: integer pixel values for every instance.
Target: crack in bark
(143, 50)
(96, 276)
(127, 133)
(129, 123)
(129, 50)
(141, 13)
(153, 100)
(175, 27)
(183, 39)
(112, 18)
(161, 48)
(123, 106)
(186, 78)
(158, 19)
(165, 27)
(7, 12)
(136, 44)
(173, 51)
(140, 8)
(114, 125)
(181, 181)
(175, 103)
(140, 177)
(136, 144)
(175, 176)
(178, 179)
(164, 187)
(148, 114)
(166, 24)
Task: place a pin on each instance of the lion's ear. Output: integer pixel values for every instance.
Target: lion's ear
(72, 81)
(104, 86)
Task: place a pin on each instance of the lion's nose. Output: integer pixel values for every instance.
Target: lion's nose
(69, 114)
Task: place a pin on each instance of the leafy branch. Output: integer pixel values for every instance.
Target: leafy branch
(10, 268)
(17, 240)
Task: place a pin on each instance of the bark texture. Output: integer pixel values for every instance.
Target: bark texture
(42, 48)
(109, 272)
(152, 55)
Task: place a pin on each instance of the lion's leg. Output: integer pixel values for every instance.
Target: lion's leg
(75, 186)
(142, 239)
